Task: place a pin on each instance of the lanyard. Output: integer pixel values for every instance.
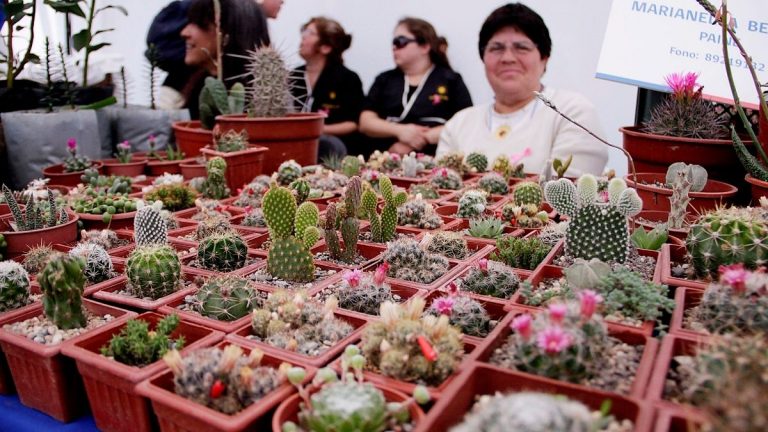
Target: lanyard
(408, 102)
(307, 105)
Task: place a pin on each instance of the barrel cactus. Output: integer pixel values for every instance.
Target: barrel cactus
(98, 263)
(287, 172)
(224, 252)
(494, 183)
(153, 271)
(14, 286)
(62, 282)
(225, 298)
(477, 162)
(528, 192)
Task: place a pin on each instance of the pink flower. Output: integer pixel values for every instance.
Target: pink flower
(125, 145)
(352, 277)
(522, 325)
(444, 172)
(248, 209)
(589, 302)
(683, 85)
(483, 264)
(71, 144)
(420, 155)
(152, 138)
(604, 197)
(394, 156)
(381, 273)
(557, 312)
(453, 289)
(436, 99)
(553, 340)
(734, 275)
(444, 305)
(515, 158)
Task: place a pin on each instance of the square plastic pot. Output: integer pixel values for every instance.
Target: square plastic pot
(242, 166)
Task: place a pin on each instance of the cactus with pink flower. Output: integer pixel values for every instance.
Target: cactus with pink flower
(123, 154)
(462, 311)
(364, 292)
(73, 162)
(491, 278)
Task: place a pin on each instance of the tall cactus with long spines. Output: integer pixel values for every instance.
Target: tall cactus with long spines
(149, 227)
(154, 271)
(269, 89)
(350, 226)
(223, 252)
(62, 281)
(14, 286)
(597, 229)
(292, 231)
(383, 226)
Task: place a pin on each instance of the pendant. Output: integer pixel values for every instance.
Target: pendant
(502, 132)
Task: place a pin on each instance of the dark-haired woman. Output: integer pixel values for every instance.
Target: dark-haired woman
(325, 85)
(406, 107)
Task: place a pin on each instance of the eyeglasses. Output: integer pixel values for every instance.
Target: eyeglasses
(401, 41)
(517, 48)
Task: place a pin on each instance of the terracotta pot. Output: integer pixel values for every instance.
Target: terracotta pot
(177, 414)
(407, 182)
(671, 346)
(130, 169)
(109, 295)
(110, 385)
(370, 251)
(242, 166)
(678, 419)
(191, 137)
(160, 167)
(20, 242)
(191, 169)
(58, 176)
(715, 193)
(45, 379)
(289, 408)
(685, 298)
(659, 216)
(118, 221)
(481, 379)
(676, 253)
(293, 137)
(759, 189)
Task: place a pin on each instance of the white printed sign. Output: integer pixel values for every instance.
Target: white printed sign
(648, 40)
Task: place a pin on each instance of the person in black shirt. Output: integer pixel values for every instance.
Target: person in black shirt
(325, 85)
(406, 107)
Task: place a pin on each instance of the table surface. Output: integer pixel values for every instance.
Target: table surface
(17, 418)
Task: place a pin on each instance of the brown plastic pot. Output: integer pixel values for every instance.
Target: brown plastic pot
(714, 194)
(118, 221)
(295, 136)
(289, 408)
(676, 235)
(110, 385)
(191, 137)
(178, 414)
(671, 346)
(20, 242)
(676, 253)
(685, 298)
(45, 379)
(190, 169)
(759, 188)
(481, 379)
(159, 167)
(131, 169)
(242, 166)
(678, 419)
(58, 176)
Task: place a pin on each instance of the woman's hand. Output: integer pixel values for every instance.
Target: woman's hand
(433, 134)
(413, 135)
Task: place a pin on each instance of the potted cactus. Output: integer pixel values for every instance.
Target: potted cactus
(68, 173)
(124, 163)
(244, 162)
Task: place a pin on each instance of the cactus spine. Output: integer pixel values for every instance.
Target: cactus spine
(154, 271)
(62, 283)
(224, 252)
(14, 286)
(383, 226)
(215, 185)
(98, 263)
(225, 298)
(268, 91)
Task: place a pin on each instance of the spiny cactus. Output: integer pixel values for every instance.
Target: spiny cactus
(175, 197)
(426, 190)
(491, 278)
(628, 294)
(407, 261)
(215, 100)
(269, 90)
(418, 213)
(222, 252)
(351, 165)
(105, 238)
(449, 244)
(472, 204)
(287, 172)
(149, 227)
(136, 345)
(453, 161)
(73, 162)
(62, 282)
(230, 141)
(154, 271)
(522, 253)
(446, 178)
(524, 216)
(477, 162)
(553, 233)
(213, 223)
(289, 257)
(364, 292)
(300, 189)
(383, 226)
(597, 229)
(35, 215)
(583, 274)
(384, 161)
(98, 263)
(688, 116)
(494, 183)
(223, 379)
(392, 350)
(528, 192)
(678, 202)
(350, 225)
(225, 298)
(726, 236)
(14, 286)
(215, 184)
(503, 165)
(36, 257)
(463, 312)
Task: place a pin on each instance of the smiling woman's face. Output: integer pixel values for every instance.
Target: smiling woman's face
(201, 45)
(513, 64)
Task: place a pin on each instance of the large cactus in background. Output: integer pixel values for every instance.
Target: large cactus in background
(292, 232)
(224, 252)
(268, 90)
(383, 226)
(350, 226)
(149, 227)
(597, 229)
(62, 282)
(14, 286)
(726, 236)
(154, 271)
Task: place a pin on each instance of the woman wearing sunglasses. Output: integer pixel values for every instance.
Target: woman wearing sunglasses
(406, 107)
(325, 85)
(515, 47)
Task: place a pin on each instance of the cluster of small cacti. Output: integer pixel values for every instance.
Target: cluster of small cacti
(36, 257)
(293, 231)
(711, 239)
(136, 345)
(446, 178)
(73, 162)
(105, 238)
(346, 217)
(384, 161)
(449, 244)
(213, 223)
(62, 282)
(494, 183)
(522, 253)
(35, 215)
(599, 226)
(14, 286)
(472, 203)
(477, 162)
(216, 100)
(408, 261)
(453, 161)
(225, 298)
(224, 252)
(287, 172)
(462, 311)
(524, 216)
(111, 185)
(215, 184)
(504, 166)
(418, 213)
(223, 379)
(301, 190)
(410, 347)
(98, 263)
(364, 292)
(326, 180)
(291, 321)
(491, 278)
(486, 227)
(175, 196)
(154, 271)
(382, 225)
(268, 92)
(230, 141)
(426, 190)
(253, 217)
(552, 233)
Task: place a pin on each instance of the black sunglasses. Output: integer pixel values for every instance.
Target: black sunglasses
(401, 41)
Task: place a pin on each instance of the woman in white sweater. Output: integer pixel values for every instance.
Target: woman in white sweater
(515, 47)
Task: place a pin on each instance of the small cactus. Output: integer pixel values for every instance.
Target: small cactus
(36, 257)
(491, 278)
(383, 226)
(154, 271)
(215, 184)
(407, 261)
(463, 312)
(472, 204)
(351, 166)
(698, 175)
(522, 253)
(62, 282)
(287, 172)
(486, 227)
(364, 292)
(446, 243)
(350, 225)
(269, 90)
(528, 192)
(98, 263)
(230, 141)
(225, 298)
(477, 162)
(418, 213)
(222, 252)
(426, 190)
(494, 183)
(453, 161)
(14, 286)
(136, 345)
(446, 178)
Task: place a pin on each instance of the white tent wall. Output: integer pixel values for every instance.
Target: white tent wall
(576, 26)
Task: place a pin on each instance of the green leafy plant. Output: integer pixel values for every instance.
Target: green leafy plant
(652, 239)
(136, 345)
(17, 11)
(561, 166)
(522, 253)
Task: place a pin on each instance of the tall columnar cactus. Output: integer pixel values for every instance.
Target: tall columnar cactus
(477, 162)
(62, 282)
(289, 257)
(149, 227)
(215, 100)
(226, 298)
(597, 229)
(14, 286)
(224, 252)
(383, 226)
(350, 225)
(287, 172)
(154, 271)
(678, 202)
(98, 263)
(269, 90)
(215, 184)
(528, 192)
(726, 236)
